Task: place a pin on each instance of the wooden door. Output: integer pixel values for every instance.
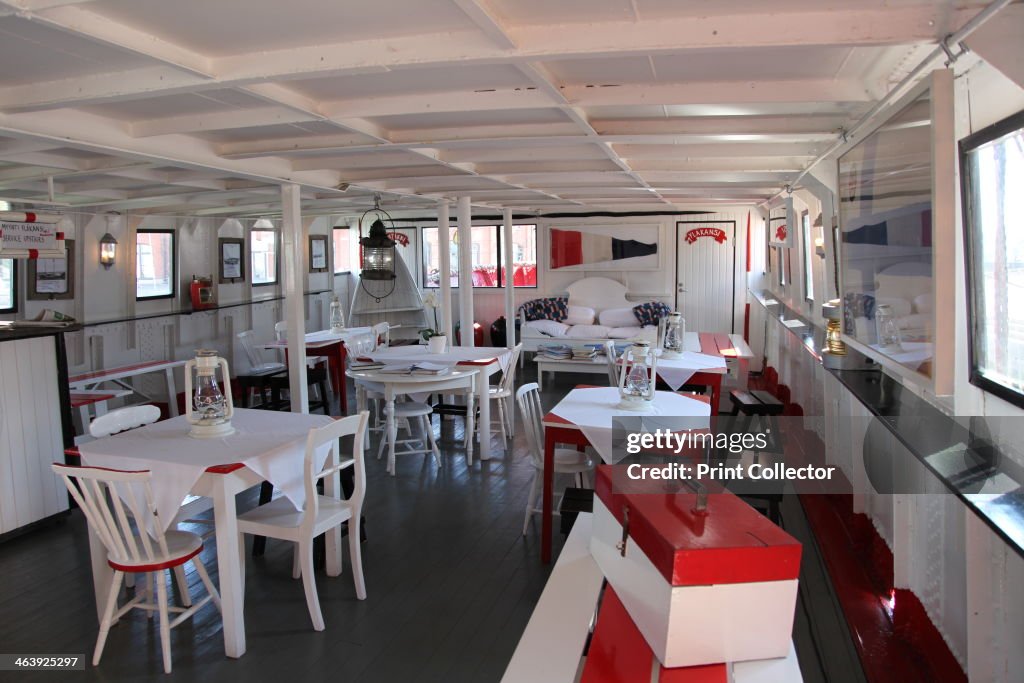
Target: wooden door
(707, 274)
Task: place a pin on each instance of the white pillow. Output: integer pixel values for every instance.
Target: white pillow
(618, 317)
(924, 304)
(546, 328)
(580, 315)
(625, 332)
(587, 332)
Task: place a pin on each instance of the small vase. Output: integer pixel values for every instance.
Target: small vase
(437, 343)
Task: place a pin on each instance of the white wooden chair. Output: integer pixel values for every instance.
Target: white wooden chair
(321, 513)
(502, 394)
(567, 460)
(111, 501)
(281, 334)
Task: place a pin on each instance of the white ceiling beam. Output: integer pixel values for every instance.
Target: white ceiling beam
(279, 94)
(305, 145)
(446, 135)
(739, 164)
(103, 30)
(718, 92)
(710, 150)
(439, 102)
(853, 26)
(221, 120)
(808, 126)
(482, 15)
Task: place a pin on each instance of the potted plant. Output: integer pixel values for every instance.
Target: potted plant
(435, 338)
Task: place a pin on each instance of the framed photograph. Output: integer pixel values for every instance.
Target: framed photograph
(604, 247)
(318, 254)
(52, 278)
(232, 265)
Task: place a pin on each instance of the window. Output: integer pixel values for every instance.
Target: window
(8, 285)
(154, 264)
(487, 255)
(992, 166)
(342, 250)
(805, 230)
(264, 257)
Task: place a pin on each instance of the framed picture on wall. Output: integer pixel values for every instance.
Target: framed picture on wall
(318, 254)
(52, 278)
(604, 247)
(232, 265)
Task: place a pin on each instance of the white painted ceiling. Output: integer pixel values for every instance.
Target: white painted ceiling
(206, 107)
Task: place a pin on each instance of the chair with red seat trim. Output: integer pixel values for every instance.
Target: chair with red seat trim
(128, 524)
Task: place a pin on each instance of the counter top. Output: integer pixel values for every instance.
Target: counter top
(8, 333)
(959, 451)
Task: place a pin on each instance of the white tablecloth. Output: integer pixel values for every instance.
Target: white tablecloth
(454, 355)
(592, 411)
(677, 371)
(269, 443)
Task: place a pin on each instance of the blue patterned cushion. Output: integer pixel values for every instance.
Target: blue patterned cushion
(650, 312)
(551, 308)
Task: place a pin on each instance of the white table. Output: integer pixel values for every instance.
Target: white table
(591, 366)
(91, 380)
(331, 345)
(415, 386)
(266, 446)
(485, 360)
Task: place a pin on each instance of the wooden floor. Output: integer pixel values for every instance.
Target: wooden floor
(451, 584)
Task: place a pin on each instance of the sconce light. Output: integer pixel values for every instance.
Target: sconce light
(108, 251)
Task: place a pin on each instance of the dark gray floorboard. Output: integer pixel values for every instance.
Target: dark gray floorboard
(451, 585)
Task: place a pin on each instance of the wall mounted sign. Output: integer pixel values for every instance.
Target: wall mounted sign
(52, 278)
(780, 220)
(30, 235)
(317, 253)
(401, 238)
(605, 247)
(717, 234)
(232, 265)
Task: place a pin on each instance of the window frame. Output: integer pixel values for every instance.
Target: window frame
(808, 249)
(334, 254)
(277, 258)
(14, 289)
(967, 145)
(500, 241)
(174, 262)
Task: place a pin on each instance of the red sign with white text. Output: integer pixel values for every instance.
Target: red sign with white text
(717, 233)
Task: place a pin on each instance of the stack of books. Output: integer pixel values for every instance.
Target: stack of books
(555, 351)
(363, 365)
(584, 353)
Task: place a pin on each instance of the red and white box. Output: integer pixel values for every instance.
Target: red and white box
(702, 587)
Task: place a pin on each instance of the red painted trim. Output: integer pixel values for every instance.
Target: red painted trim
(906, 648)
(79, 400)
(748, 243)
(30, 217)
(60, 236)
(72, 452)
(156, 566)
(101, 469)
(225, 469)
(33, 253)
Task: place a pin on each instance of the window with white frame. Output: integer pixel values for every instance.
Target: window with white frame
(154, 264)
(342, 249)
(264, 256)
(8, 285)
(808, 243)
(488, 260)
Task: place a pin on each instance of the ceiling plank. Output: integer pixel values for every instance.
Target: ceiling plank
(482, 15)
(221, 120)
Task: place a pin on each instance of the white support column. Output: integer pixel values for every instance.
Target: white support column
(445, 266)
(510, 292)
(294, 305)
(465, 271)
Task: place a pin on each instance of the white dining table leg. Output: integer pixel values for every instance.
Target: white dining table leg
(360, 407)
(172, 393)
(392, 427)
(229, 570)
(484, 429)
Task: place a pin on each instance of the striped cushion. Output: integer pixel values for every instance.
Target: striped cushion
(650, 312)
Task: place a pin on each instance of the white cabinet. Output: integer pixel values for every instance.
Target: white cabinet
(31, 436)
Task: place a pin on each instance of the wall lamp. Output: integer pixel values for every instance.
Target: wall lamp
(108, 251)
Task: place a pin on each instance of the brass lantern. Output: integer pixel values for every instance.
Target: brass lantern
(207, 408)
(637, 377)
